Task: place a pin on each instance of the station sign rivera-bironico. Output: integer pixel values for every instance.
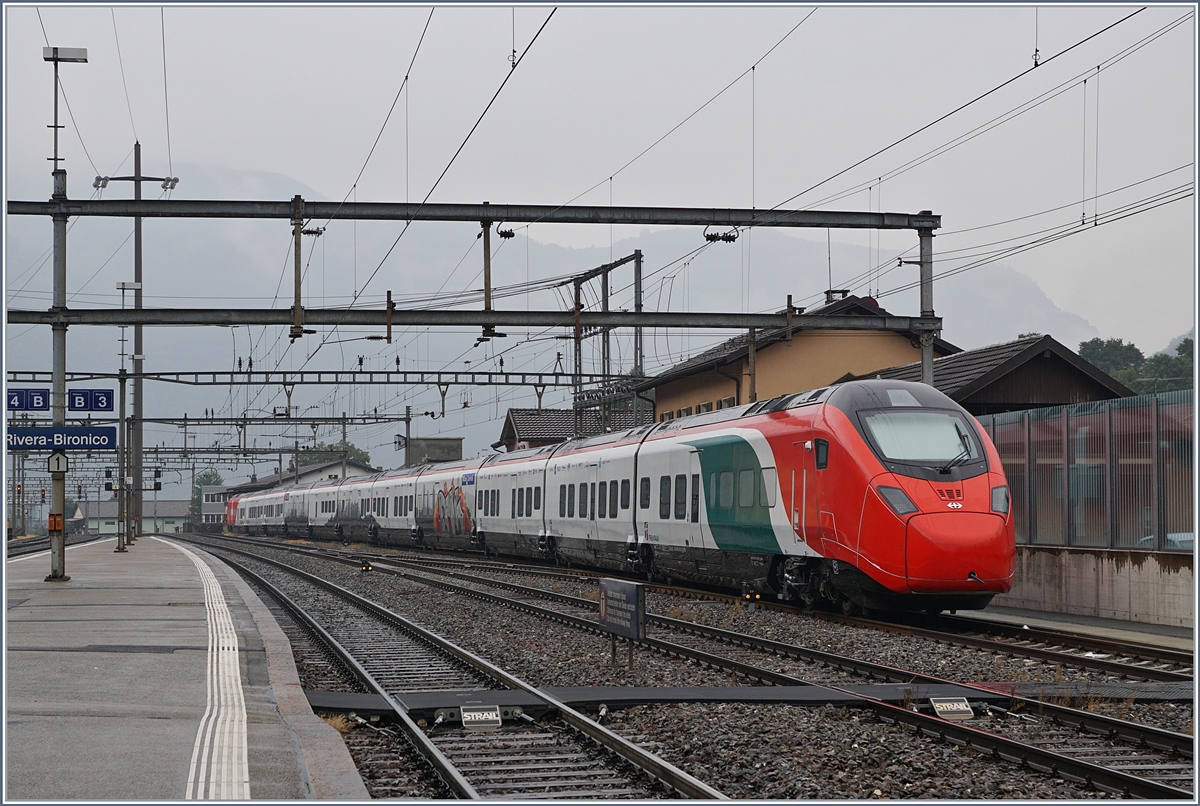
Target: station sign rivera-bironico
(60, 438)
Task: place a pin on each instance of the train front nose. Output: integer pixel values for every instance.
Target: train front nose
(960, 552)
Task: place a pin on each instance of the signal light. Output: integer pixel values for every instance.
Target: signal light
(78, 489)
(43, 496)
(366, 566)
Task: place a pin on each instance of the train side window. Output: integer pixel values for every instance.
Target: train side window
(479, 501)
(537, 498)
(520, 502)
(562, 500)
(822, 454)
(612, 500)
(644, 493)
(625, 485)
(592, 501)
(495, 503)
(602, 512)
(512, 508)
(583, 507)
(746, 488)
(766, 493)
(726, 489)
(680, 497)
(695, 498)
(664, 498)
(571, 501)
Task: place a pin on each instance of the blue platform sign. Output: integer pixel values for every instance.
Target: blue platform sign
(90, 400)
(97, 438)
(102, 399)
(28, 399)
(79, 400)
(623, 608)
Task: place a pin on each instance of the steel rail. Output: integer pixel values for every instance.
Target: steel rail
(613, 742)
(442, 766)
(1110, 667)
(1158, 738)
(999, 746)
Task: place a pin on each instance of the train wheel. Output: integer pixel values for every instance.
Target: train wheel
(849, 608)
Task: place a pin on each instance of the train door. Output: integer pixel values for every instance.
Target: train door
(693, 531)
(588, 520)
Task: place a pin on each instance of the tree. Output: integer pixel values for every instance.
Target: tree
(1167, 373)
(323, 452)
(205, 478)
(1112, 355)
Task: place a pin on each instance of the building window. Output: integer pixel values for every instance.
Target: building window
(686, 411)
(666, 416)
(726, 403)
(704, 407)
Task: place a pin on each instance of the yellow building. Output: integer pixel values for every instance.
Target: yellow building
(722, 376)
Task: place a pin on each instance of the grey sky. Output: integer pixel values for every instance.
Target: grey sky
(302, 93)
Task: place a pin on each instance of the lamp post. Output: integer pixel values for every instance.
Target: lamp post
(58, 398)
(135, 436)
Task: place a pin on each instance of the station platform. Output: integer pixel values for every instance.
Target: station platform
(156, 674)
(1160, 635)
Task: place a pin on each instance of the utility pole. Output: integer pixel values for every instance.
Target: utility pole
(58, 400)
(135, 443)
(637, 331)
(925, 236)
(121, 533)
(343, 476)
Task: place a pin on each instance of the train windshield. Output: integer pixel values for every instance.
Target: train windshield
(922, 436)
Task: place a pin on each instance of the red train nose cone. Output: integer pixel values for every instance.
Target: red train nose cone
(959, 551)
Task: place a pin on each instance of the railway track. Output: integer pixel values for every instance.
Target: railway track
(34, 545)
(1136, 759)
(564, 754)
(1159, 759)
(1118, 659)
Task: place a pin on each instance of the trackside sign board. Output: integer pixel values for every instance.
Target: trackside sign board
(623, 608)
(96, 438)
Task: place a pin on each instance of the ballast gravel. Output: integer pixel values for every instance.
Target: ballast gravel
(743, 750)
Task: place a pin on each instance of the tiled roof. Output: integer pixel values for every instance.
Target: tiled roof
(559, 424)
(964, 373)
(729, 351)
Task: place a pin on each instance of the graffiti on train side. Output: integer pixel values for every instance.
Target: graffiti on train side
(450, 513)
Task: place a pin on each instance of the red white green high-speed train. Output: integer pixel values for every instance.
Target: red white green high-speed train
(875, 494)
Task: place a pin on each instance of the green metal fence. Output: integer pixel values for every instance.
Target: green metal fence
(1112, 474)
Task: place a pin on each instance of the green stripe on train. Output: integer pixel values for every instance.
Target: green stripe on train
(736, 527)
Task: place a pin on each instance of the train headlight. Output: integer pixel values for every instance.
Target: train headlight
(900, 503)
(1000, 499)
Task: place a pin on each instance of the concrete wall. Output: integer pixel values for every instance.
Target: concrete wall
(1141, 586)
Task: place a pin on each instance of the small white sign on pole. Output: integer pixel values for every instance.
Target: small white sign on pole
(56, 463)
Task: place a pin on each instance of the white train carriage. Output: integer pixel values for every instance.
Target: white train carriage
(445, 504)
(508, 503)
